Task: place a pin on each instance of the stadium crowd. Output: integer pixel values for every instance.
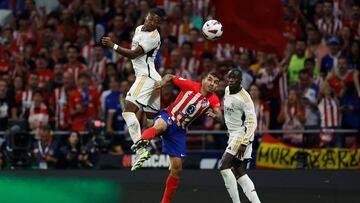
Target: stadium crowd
(56, 76)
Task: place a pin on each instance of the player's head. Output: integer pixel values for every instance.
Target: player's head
(210, 82)
(154, 18)
(234, 77)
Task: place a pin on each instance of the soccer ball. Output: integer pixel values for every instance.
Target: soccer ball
(212, 30)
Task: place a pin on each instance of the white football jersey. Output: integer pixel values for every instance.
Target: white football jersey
(239, 114)
(150, 42)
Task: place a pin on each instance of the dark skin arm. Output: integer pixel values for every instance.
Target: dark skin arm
(129, 53)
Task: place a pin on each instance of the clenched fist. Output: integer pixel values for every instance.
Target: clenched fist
(107, 42)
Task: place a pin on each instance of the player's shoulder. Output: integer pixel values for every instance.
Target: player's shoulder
(244, 96)
(138, 28)
(155, 35)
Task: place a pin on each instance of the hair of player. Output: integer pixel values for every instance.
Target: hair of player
(215, 74)
(159, 12)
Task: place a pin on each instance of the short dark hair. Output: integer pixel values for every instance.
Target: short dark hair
(311, 60)
(304, 71)
(215, 74)
(84, 75)
(159, 12)
(38, 92)
(188, 43)
(74, 47)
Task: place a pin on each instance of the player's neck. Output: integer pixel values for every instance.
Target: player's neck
(203, 92)
(235, 90)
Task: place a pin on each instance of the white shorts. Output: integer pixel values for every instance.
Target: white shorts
(234, 143)
(144, 94)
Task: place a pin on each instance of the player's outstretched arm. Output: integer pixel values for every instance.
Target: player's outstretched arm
(129, 53)
(215, 114)
(167, 79)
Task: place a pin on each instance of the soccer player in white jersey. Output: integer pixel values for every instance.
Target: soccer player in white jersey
(240, 119)
(144, 93)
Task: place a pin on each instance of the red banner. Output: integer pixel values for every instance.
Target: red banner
(256, 25)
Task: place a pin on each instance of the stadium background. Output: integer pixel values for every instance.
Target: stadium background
(300, 61)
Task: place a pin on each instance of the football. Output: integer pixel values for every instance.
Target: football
(212, 30)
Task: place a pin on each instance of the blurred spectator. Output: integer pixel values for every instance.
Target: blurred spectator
(39, 114)
(247, 74)
(45, 74)
(353, 22)
(47, 39)
(330, 115)
(74, 66)
(45, 150)
(259, 63)
(329, 24)
(339, 80)
(309, 66)
(70, 153)
(7, 106)
(25, 32)
(143, 12)
(346, 39)
(24, 99)
(312, 118)
(59, 103)
(110, 71)
(261, 108)
(83, 103)
(350, 109)
(354, 55)
(69, 26)
(189, 62)
(305, 85)
(87, 15)
(119, 28)
(315, 48)
(194, 17)
(112, 102)
(292, 26)
(97, 66)
(85, 42)
(270, 82)
(330, 61)
(296, 62)
(292, 117)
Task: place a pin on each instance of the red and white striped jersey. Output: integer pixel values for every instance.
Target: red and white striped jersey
(191, 65)
(25, 99)
(329, 112)
(87, 50)
(333, 28)
(75, 69)
(190, 103)
(59, 103)
(39, 116)
(181, 31)
(98, 69)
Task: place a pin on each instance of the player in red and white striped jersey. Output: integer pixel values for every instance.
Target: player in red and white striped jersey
(194, 100)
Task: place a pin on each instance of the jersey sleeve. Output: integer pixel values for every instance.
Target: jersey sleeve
(215, 102)
(183, 83)
(150, 42)
(250, 121)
